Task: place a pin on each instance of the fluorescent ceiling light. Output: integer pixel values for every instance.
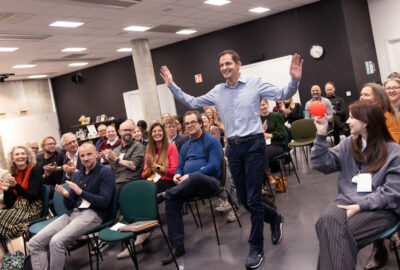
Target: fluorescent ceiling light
(78, 64)
(37, 76)
(8, 49)
(24, 66)
(136, 28)
(259, 10)
(124, 50)
(186, 32)
(217, 2)
(66, 24)
(73, 49)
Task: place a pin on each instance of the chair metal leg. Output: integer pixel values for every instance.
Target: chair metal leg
(89, 243)
(305, 154)
(215, 225)
(198, 214)
(294, 169)
(4, 244)
(131, 248)
(295, 157)
(283, 180)
(233, 207)
(194, 217)
(395, 252)
(169, 246)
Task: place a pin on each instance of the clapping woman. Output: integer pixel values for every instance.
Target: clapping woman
(22, 193)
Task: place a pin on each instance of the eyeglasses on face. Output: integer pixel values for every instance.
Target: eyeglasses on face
(392, 88)
(71, 142)
(191, 123)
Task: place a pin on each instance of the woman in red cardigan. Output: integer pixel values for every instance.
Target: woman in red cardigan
(22, 193)
(161, 159)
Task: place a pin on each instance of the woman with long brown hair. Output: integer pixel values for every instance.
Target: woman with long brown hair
(368, 202)
(161, 159)
(22, 193)
(376, 93)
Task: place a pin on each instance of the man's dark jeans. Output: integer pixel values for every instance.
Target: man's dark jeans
(247, 164)
(196, 185)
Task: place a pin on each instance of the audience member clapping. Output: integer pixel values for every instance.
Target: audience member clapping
(161, 159)
(22, 193)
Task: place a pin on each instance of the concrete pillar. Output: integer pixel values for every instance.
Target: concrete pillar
(146, 80)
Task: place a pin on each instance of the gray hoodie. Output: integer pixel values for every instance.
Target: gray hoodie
(385, 182)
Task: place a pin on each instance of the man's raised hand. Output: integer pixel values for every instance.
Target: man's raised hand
(296, 67)
(166, 75)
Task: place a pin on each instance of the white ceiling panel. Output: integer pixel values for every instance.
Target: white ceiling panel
(103, 31)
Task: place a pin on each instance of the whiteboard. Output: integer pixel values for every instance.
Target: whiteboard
(133, 106)
(21, 130)
(274, 71)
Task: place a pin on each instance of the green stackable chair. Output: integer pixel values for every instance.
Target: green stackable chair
(303, 134)
(137, 203)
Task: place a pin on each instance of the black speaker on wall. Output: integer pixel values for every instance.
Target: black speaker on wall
(77, 78)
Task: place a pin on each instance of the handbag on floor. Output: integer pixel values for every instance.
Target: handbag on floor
(268, 196)
(281, 183)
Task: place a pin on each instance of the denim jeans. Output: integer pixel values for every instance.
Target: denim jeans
(247, 164)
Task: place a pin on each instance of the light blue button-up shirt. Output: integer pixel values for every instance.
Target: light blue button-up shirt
(238, 107)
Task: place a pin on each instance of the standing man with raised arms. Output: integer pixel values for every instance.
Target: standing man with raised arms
(238, 103)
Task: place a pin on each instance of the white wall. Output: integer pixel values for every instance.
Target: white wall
(385, 20)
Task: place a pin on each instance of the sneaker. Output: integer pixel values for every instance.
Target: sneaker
(102, 246)
(178, 252)
(224, 206)
(125, 253)
(254, 259)
(276, 231)
(141, 238)
(231, 216)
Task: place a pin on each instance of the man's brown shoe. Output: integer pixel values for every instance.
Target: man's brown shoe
(378, 257)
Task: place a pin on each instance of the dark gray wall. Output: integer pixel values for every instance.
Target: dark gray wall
(334, 24)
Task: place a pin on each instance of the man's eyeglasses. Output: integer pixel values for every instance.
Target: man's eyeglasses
(190, 123)
(71, 142)
(392, 88)
(52, 143)
(126, 130)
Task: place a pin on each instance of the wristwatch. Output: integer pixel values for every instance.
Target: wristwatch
(117, 161)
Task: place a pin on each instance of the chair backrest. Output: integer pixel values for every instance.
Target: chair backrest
(112, 211)
(45, 201)
(137, 201)
(58, 201)
(303, 130)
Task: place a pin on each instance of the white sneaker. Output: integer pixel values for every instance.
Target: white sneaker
(125, 253)
(224, 206)
(231, 216)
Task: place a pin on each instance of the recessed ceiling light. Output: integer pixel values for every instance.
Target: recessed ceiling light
(259, 10)
(37, 76)
(73, 49)
(8, 49)
(124, 50)
(24, 66)
(78, 64)
(136, 28)
(66, 24)
(186, 32)
(217, 2)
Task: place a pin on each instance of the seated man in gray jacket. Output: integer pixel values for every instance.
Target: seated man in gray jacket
(127, 160)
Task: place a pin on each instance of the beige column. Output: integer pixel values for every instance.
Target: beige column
(146, 80)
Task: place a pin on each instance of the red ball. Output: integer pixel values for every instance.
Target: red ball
(317, 108)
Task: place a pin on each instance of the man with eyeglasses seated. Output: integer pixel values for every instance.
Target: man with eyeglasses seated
(172, 132)
(197, 175)
(88, 202)
(50, 161)
(72, 162)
